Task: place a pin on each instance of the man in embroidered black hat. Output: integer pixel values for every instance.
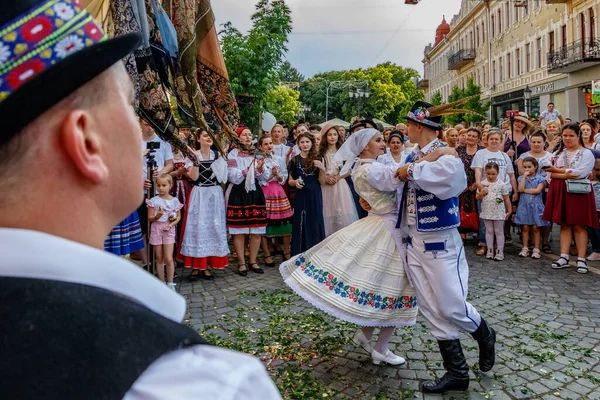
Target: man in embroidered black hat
(436, 264)
(79, 323)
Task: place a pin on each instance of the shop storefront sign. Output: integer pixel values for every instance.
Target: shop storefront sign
(548, 87)
(596, 87)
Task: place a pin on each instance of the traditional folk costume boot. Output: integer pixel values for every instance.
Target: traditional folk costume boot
(486, 338)
(457, 375)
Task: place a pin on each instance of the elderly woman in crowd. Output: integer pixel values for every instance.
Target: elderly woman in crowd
(553, 129)
(571, 202)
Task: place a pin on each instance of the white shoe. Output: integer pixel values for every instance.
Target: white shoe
(499, 255)
(360, 340)
(172, 286)
(389, 358)
(593, 257)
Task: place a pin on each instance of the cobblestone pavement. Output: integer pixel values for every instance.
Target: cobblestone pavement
(548, 325)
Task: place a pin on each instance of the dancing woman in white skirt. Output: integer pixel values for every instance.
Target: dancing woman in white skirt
(357, 274)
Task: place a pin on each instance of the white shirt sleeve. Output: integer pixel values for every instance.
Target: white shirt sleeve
(167, 152)
(283, 171)
(204, 372)
(234, 174)
(382, 177)
(585, 165)
(478, 159)
(445, 178)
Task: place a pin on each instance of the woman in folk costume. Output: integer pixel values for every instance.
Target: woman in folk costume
(357, 274)
(246, 207)
(204, 230)
(339, 210)
(279, 210)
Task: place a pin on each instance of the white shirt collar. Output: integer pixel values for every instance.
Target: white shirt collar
(425, 149)
(32, 254)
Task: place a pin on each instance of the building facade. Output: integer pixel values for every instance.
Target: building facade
(550, 47)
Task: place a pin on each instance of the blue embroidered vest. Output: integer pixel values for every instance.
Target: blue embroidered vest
(432, 213)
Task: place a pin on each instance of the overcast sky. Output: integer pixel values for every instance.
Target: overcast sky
(346, 34)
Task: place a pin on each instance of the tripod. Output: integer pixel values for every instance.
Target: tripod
(151, 167)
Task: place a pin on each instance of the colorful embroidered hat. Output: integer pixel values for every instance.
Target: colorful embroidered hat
(48, 49)
(420, 114)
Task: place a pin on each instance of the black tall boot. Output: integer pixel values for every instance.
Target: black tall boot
(457, 375)
(486, 338)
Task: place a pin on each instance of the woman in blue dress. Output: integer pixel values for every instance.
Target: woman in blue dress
(308, 226)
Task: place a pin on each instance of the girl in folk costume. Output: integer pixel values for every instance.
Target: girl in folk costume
(280, 149)
(339, 210)
(279, 210)
(246, 207)
(164, 213)
(357, 274)
(204, 230)
(308, 227)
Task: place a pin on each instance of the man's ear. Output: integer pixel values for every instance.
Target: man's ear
(83, 145)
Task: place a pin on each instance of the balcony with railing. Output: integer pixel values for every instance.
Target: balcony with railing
(424, 84)
(461, 58)
(575, 56)
(556, 1)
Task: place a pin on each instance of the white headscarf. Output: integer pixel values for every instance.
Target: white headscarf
(352, 147)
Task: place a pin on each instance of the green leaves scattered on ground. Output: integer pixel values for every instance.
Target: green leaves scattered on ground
(267, 326)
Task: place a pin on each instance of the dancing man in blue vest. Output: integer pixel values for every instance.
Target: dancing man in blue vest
(436, 263)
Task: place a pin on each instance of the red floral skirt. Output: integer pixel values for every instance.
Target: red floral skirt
(569, 208)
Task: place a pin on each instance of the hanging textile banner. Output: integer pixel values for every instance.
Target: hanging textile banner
(203, 84)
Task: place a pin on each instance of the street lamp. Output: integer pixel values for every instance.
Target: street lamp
(527, 97)
(359, 94)
(342, 85)
(304, 109)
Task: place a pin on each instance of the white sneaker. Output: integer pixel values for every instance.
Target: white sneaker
(389, 358)
(593, 257)
(499, 255)
(172, 286)
(360, 340)
(490, 254)
(524, 252)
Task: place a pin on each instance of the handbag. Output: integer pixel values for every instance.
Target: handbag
(469, 220)
(578, 186)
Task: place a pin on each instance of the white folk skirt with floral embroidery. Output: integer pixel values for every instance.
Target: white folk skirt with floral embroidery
(357, 275)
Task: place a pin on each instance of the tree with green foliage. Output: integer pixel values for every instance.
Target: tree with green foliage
(392, 87)
(283, 103)
(479, 109)
(254, 60)
(436, 99)
(287, 73)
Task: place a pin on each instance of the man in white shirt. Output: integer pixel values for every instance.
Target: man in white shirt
(550, 114)
(77, 322)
